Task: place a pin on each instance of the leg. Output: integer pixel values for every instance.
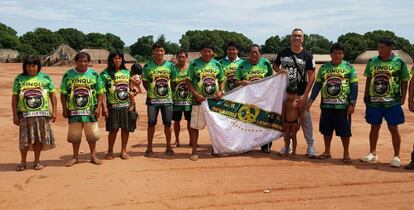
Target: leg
(294, 131)
(74, 137)
(410, 166)
(327, 142)
(373, 138)
(152, 121)
(124, 143)
(287, 138)
(37, 147)
(131, 101)
(177, 133)
(166, 113)
(396, 139)
(111, 141)
(23, 155)
(345, 144)
(75, 158)
(306, 123)
(94, 159)
(92, 136)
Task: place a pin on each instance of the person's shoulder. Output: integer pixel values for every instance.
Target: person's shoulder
(285, 52)
(264, 60)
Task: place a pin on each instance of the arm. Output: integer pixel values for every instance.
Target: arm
(219, 94)
(53, 99)
(200, 98)
(16, 119)
(145, 83)
(404, 85)
(315, 91)
(304, 97)
(99, 105)
(241, 82)
(64, 102)
(353, 98)
(366, 92)
(411, 95)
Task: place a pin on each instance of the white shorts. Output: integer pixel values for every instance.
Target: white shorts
(198, 121)
(75, 132)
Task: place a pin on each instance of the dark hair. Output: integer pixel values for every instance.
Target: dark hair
(386, 41)
(297, 29)
(207, 44)
(157, 45)
(292, 88)
(258, 47)
(232, 44)
(181, 51)
(136, 68)
(111, 65)
(337, 46)
(82, 55)
(31, 60)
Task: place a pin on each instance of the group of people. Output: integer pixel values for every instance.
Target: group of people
(177, 89)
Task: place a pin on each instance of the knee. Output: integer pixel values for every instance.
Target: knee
(152, 122)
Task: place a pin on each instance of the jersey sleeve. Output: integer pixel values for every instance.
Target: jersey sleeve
(319, 74)
(191, 71)
(100, 88)
(50, 86)
(63, 85)
(310, 62)
(145, 72)
(405, 75)
(353, 74)
(220, 75)
(16, 86)
(269, 68)
(367, 72)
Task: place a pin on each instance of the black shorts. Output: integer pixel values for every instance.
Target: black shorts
(177, 115)
(335, 119)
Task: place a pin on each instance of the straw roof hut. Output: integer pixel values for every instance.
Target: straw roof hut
(364, 57)
(129, 59)
(270, 56)
(63, 55)
(9, 56)
(97, 55)
(321, 58)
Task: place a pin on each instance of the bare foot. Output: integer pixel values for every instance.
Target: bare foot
(347, 160)
(96, 161)
(176, 144)
(109, 156)
(72, 162)
(124, 156)
(169, 152)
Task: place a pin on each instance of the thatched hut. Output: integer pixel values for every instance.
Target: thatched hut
(364, 57)
(63, 55)
(9, 56)
(321, 58)
(97, 55)
(129, 59)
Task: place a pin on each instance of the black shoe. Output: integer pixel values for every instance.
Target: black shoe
(410, 166)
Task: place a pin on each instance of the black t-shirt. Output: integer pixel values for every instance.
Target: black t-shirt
(305, 63)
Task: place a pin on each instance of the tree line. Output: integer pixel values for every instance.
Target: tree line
(42, 41)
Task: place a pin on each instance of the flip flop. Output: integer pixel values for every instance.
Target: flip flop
(347, 160)
(109, 156)
(38, 166)
(169, 152)
(324, 156)
(148, 153)
(20, 167)
(194, 157)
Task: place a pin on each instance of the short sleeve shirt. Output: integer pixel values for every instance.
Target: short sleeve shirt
(252, 72)
(297, 65)
(336, 84)
(205, 77)
(117, 88)
(33, 94)
(229, 70)
(82, 91)
(182, 96)
(386, 77)
(158, 78)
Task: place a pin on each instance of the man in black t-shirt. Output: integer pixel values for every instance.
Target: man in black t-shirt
(299, 66)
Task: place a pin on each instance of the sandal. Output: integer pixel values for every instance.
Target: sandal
(194, 157)
(169, 152)
(20, 167)
(148, 153)
(124, 156)
(324, 156)
(347, 160)
(38, 166)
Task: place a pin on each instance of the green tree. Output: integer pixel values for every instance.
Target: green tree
(317, 44)
(73, 37)
(97, 40)
(354, 44)
(116, 42)
(272, 45)
(25, 50)
(142, 48)
(170, 47)
(42, 40)
(8, 37)
(192, 40)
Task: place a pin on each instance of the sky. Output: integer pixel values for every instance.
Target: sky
(256, 19)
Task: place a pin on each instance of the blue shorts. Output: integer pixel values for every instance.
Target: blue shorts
(393, 115)
(335, 119)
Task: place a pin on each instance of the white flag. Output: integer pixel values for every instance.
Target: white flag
(246, 117)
